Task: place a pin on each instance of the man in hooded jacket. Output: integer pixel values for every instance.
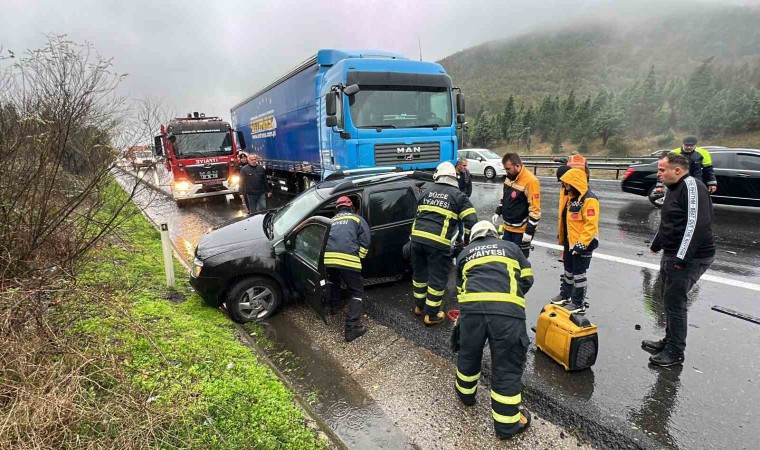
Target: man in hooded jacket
(578, 235)
(439, 211)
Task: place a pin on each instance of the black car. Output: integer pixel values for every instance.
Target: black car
(255, 263)
(736, 169)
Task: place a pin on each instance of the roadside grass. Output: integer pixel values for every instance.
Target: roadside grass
(117, 365)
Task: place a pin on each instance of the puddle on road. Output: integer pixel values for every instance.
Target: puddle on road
(334, 395)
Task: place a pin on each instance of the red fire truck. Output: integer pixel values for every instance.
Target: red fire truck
(200, 154)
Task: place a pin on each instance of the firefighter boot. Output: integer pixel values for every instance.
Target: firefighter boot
(435, 320)
(355, 331)
(524, 423)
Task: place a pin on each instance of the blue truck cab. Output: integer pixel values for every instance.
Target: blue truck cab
(352, 111)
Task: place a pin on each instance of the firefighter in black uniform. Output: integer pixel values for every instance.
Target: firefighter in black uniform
(347, 244)
(439, 212)
(493, 277)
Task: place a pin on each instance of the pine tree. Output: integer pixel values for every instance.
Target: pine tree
(507, 117)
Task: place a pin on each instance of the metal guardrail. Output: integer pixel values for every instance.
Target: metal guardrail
(594, 162)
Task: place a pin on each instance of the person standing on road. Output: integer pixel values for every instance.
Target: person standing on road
(686, 240)
(347, 244)
(578, 225)
(439, 212)
(700, 163)
(464, 177)
(465, 185)
(520, 205)
(493, 277)
(242, 162)
(254, 186)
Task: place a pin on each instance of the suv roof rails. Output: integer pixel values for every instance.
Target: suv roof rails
(339, 174)
(424, 176)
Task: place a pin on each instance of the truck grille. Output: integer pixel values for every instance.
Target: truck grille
(208, 173)
(397, 154)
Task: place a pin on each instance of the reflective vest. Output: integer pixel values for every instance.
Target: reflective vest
(577, 162)
(520, 205)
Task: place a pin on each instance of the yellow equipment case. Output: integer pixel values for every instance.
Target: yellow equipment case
(569, 339)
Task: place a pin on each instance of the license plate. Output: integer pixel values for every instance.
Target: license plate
(210, 175)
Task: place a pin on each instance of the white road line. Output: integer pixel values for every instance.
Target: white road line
(633, 262)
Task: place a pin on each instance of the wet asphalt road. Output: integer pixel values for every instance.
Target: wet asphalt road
(712, 401)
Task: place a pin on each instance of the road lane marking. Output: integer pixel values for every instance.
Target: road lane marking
(633, 262)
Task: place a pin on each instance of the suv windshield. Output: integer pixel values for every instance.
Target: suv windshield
(203, 144)
(296, 211)
(400, 107)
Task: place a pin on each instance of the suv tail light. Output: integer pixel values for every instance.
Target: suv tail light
(628, 173)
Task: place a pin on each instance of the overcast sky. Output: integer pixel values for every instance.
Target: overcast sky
(208, 55)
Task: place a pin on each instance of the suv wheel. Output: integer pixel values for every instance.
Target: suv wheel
(490, 173)
(255, 298)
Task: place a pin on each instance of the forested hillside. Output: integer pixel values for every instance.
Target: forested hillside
(695, 71)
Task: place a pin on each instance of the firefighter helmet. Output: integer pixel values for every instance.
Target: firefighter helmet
(482, 229)
(445, 169)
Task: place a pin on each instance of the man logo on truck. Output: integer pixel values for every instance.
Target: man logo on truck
(408, 150)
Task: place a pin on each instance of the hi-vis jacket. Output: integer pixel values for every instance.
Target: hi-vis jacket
(493, 277)
(700, 165)
(438, 213)
(348, 242)
(579, 216)
(521, 203)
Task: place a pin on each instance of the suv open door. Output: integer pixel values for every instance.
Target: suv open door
(304, 261)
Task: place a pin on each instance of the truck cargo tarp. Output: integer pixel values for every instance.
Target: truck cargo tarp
(398, 79)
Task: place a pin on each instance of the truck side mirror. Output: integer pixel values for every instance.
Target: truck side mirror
(158, 149)
(351, 90)
(460, 118)
(241, 140)
(460, 103)
(331, 121)
(330, 109)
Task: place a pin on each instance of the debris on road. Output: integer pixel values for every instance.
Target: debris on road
(736, 314)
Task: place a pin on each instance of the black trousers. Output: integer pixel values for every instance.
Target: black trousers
(574, 283)
(430, 273)
(675, 285)
(355, 285)
(508, 341)
(516, 238)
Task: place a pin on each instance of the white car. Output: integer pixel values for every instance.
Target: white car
(482, 161)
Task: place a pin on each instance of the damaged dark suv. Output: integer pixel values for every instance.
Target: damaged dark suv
(254, 264)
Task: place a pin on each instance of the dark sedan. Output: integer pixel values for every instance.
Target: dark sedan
(255, 263)
(737, 171)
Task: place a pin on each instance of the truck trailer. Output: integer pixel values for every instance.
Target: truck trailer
(348, 111)
(200, 155)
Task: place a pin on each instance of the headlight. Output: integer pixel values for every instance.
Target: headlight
(197, 266)
(182, 185)
(235, 179)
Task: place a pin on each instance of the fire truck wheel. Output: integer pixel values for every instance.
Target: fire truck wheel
(182, 203)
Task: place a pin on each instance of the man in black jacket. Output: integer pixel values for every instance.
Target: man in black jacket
(464, 177)
(686, 240)
(347, 244)
(493, 277)
(439, 211)
(254, 185)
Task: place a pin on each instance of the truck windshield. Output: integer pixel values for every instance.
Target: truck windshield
(400, 107)
(202, 144)
(296, 211)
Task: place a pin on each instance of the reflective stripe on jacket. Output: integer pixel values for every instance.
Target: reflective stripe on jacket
(521, 203)
(439, 211)
(493, 277)
(348, 242)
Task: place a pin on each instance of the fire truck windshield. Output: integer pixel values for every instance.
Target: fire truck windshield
(202, 144)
